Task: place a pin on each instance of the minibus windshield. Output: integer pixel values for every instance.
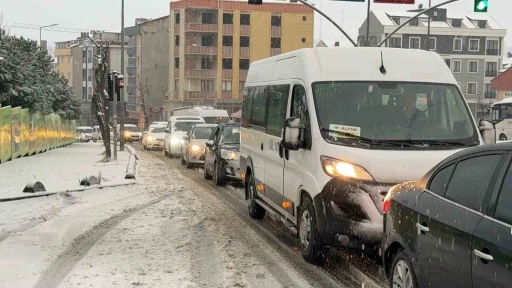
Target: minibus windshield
(414, 114)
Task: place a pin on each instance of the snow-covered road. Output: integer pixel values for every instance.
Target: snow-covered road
(173, 229)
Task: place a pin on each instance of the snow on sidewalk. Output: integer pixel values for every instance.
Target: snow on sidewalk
(61, 169)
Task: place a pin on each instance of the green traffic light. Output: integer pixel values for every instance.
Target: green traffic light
(481, 5)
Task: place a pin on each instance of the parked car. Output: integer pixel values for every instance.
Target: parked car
(154, 137)
(453, 227)
(222, 154)
(192, 149)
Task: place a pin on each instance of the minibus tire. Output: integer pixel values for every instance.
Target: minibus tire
(314, 253)
(255, 210)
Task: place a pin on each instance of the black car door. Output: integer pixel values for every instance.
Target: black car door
(209, 152)
(492, 240)
(447, 218)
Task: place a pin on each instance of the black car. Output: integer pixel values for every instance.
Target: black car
(453, 228)
(222, 154)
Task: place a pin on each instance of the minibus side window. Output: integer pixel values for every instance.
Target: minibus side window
(259, 106)
(299, 109)
(276, 109)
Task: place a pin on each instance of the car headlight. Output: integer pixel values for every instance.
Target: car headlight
(195, 148)
(340, 169)
(175, 140)
(127, 134)
(150, 138)
(229, 155)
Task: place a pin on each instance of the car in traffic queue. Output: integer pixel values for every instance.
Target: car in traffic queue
(153, 138)
(177, 127)
(222, 154)
(84, 133)
(132, 133)
(326, 132)
(193, 147)
(452, 228)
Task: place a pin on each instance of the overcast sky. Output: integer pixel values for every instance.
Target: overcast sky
(105, 15)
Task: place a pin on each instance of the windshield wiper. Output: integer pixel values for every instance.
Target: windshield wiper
(367, 140)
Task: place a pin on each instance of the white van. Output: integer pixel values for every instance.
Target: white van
(177, 127)
(208, 113)
(327, 131)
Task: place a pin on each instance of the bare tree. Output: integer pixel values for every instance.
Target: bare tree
(100, 103)
(143, 86)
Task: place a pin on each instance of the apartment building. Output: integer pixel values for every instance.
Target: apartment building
(212, 44)
(472, 46)
(148, 64)
(75, 62)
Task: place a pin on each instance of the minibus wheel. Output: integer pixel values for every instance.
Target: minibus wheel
(310, 243)
(255, 210)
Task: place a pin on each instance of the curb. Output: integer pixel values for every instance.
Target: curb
(68, 190)
(131, 169)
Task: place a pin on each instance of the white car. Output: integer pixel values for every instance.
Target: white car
(177, 127)
(84, 133)
(154, 138)
(193, 147)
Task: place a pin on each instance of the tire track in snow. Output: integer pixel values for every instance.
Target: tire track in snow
(81, 245)
(205, 258)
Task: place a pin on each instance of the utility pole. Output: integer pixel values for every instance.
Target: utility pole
(41, 49)
(428, 28)
(123, 112)
(368, 24)
(115, 113)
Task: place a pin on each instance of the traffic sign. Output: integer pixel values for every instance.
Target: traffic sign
(394, 1)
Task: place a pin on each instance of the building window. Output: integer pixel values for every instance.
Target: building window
(177, 40)
(176, 62)
(472, 66)
(303, 18)
(508, 94)
(89, 56)
(414, 43)
(84, 94)
(176, 84)
(206, 63)
(89, 93)
(488, 93)
(432, 43)
(457, 44)
(207, 18)
(447, 61)
(303, 40)
(208, 40)
(245, 41)
(275, 20)
(245, 19)
(244, 64)
(275, 42)
(482, 24)
(89, 75)
(227, 63)
(471, 88)
(474, 44)
(176, 18)
(227, 18)
(491, 69)
(396, 20)
(456, 67)
(395, 42)
(84, 75)
(414, 22)
(241, 85)
(457, 23)
(226, 85)
(227, 41)
(84, 56)
(492, 47)
(206, 85)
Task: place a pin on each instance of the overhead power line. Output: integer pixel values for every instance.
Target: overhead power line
(54, 29)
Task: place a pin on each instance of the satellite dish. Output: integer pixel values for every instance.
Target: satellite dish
(420, 6)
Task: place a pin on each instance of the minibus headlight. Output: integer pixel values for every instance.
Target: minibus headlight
(338, 168)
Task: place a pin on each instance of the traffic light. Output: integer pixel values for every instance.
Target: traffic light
(119, 86)
(110, 87)
(481, 5)
(114, 86)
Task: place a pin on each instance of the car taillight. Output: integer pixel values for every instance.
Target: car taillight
(385, 206)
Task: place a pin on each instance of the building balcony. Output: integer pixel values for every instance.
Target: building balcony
(491, 73)
(490, 94)
(245, 30)
(227, 51)
(200, 73)
(242, 75)
(198, 27)
(275, 51)
(227, 74)
(245, 52)
(199, 94)
(492, 52)
(227, 29)
(227, 94)
(204, 50)
(275, 31)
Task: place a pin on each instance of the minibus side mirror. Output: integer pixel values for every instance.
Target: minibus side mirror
(488, 131)
(291, 134)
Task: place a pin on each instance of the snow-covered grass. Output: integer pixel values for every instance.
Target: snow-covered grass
(61, 169)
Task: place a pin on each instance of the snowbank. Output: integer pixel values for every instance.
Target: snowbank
(61, 169)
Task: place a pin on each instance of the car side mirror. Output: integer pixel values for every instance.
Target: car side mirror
(167, 130)
(209, 143)
(488, 131)
(291, 134)
(185, 137)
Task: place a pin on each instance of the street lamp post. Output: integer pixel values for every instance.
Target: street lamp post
(40, 32)
(428, 28)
